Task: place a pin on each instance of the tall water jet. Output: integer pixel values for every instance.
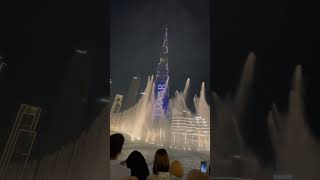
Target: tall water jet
(137, 119)
(144, 111)
(231, 157)
(297, 152)
(186, 87)
(201, 105)
(228, 112)
(226, 140)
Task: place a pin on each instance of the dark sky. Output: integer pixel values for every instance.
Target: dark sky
(137, 31)
(37, 41)
(282, 34)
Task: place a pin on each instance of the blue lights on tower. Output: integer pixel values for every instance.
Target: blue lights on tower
(162, 82)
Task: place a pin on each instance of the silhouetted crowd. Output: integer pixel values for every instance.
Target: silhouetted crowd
(135, 166)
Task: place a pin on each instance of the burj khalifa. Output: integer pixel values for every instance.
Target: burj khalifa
(162, 83)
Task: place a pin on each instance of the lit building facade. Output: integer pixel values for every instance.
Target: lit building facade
(190, 132)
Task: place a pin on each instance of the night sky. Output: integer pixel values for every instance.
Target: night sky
(282, 34)
(37, 41)
(137, 31)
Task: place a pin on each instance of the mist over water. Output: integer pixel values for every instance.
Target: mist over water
(138, 121)
(185, 135)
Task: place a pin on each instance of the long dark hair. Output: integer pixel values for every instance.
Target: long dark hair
(161, 162)
(138, 165)
(116, 143)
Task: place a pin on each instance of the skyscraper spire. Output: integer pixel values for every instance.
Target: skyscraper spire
(165, 42)
(161, 93)
(164, 48)
(161, 82)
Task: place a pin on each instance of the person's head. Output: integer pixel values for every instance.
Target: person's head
(198, 175)
(138, 165)
(116, 143)
(176, 169)
(161, 161)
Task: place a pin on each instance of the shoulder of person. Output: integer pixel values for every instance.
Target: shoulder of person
(122, 169)
(127, 170)
(151, 177)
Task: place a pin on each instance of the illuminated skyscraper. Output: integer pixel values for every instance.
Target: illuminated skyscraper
(162, 83)
(117, 104)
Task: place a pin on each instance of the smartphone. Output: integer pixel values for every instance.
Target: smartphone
(203, 167)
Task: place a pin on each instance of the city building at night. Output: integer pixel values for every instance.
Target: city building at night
(192, 131)
(162, 83)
